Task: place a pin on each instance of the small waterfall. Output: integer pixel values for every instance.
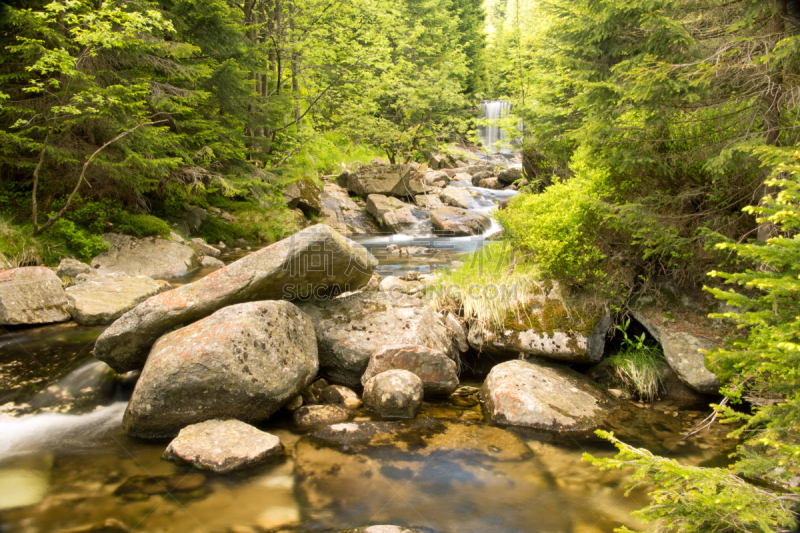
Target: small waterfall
(491, 135)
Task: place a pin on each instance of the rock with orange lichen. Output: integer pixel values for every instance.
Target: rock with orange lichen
(244, 362)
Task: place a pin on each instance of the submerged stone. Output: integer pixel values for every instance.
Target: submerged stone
(222, 445)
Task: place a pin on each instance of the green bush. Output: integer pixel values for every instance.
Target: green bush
(142, 225)
(325, 153)
(18, 246)
(559, 227)
(78, 242)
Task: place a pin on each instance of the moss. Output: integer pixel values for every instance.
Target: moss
(552, 317)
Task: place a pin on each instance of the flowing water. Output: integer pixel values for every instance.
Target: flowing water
(68, 464)
(491, 134)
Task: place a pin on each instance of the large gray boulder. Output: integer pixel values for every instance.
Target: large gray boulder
(457, 222)
(439, 373)
(474, 169)
(204, 249)
(244, 362)
(100, 299)
(394, 394)
(480, 176)
(340, 212)
(70, 268)
(457, 197)
(542, 396)
(389, 180)
(316, 259)
(547, 328)
(222, 446)
(436, 179)
(152, 257)
(682, 350)
(428, 201)
(391, 213)
(31, 295)
(350, 329)
(303, 194)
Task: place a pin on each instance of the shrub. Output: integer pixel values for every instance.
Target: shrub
(18, 246)
(142, 225)
(77, 241)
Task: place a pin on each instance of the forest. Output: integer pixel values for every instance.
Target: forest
(659, 139)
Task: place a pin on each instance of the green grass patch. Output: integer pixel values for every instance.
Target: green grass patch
(638, 366)
(330, 153)
(142, 225)
(493, 283)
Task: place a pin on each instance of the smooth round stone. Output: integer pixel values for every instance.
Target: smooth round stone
(222, 445)
(394, 394)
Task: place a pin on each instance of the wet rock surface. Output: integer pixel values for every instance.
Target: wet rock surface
(320, 415)
(391, 213)
(394, 394)
(244, 361)
(31, 295)
(351, 329)
(436, 370)
(543, 396)
(317, 257)
(151, 256)
(222, 446)
(100, 299)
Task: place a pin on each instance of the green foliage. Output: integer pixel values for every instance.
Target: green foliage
(762, 366)
(17, 245)
(142, 225)
(560, 226)
(697, 500)
(638, 365)
(329, 152)
(79, 243)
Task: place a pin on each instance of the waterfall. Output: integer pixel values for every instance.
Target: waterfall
(492, 133)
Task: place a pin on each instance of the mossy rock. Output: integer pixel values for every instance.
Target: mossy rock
(548, 327)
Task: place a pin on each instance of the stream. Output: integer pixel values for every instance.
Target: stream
(68, 464)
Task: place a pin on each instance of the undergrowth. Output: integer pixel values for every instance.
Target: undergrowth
(639, 365)
(493, 282)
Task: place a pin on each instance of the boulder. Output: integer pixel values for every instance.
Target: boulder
(339, 395)
(177, 238)
(436, 370)
(211, 262)
(350, 329)
(31, 295)
(474, 169)
(303, 194)
(509, 175)
(429, 201)
(546, 327)
(394, 394)
(100, 299)
(491, 183)
(70, 268)
(152, 257)
(222, 445)
(482, 175)
(391, 213)
(542, 396)
(340, 212)
(436, 179)
(389, 180)
(245, 362)
(320, 415)
(179, 226)
(204, 249)
(461, 176)
(682, 351)
(457, 197)
(316, 259)
(453, 221)
(438, 162)
(392, 284)
(457, 330)
(195, 216)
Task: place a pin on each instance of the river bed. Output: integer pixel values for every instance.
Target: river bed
(68, 464)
